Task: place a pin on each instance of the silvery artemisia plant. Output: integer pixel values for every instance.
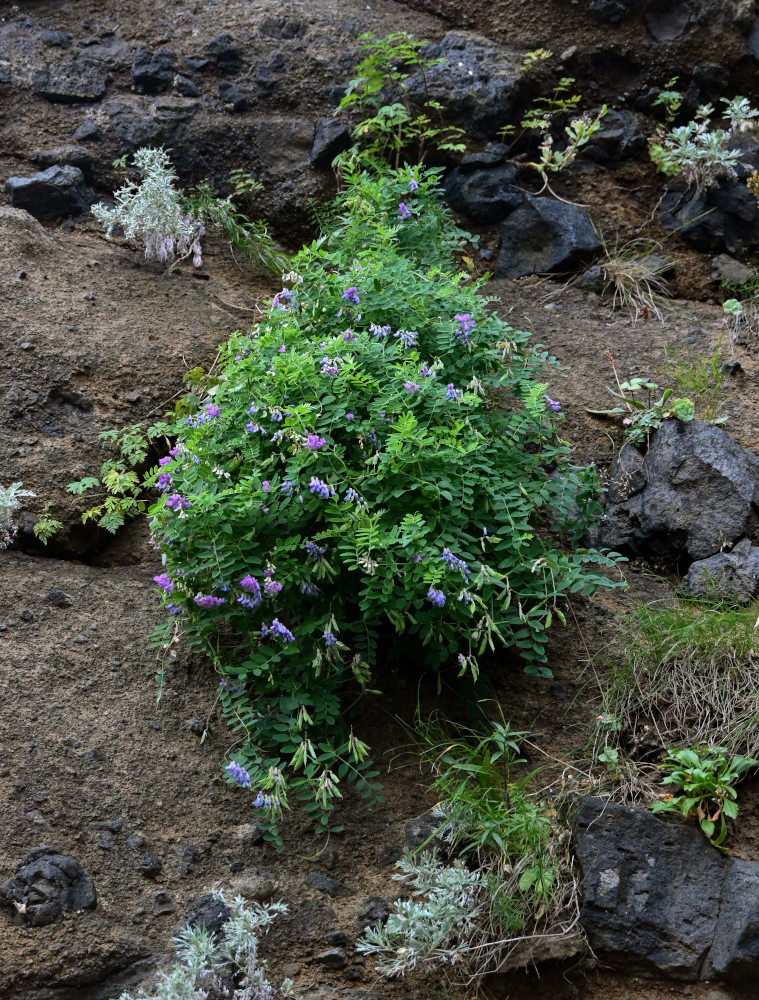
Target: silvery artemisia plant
(152, 212)
(701, 153)
(226, 965)
(10, 501)
(375, 479)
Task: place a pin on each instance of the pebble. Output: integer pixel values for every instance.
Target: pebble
(59, 598)
(333, 958)
(255, 887)
(106, 842)
(135, 841)
(21, 274)
(325, 884)
(150, 866)
(337, 937)
(162, 905)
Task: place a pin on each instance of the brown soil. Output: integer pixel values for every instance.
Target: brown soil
(94, 338)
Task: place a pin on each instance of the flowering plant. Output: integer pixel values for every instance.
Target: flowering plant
(376, 475)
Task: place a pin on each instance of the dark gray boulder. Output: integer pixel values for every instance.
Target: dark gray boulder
(657, 897)
(545, 235)
(153, 72)
(80, 81)
(651, 889)
(476, 81)
(225, 53)
(729, 576)
(483, 186)
(667, 25)
(614, 11)
(619, 138)
(687, 498)
(46, 883)
(330, 138)
(734, 955)
(57, 192)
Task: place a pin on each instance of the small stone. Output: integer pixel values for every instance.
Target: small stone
(26, 346)
(207, 911)
(21, 274)
(37, 819)
(26, 615)
(150, 866)
(133, 397)
(162, 905)
(337, 938)
(80, 640)
(135, 841)
(334, 958)
(196, 726)
(184, 86)
(110, 825)
(374, 910)
(236, 866)
(249, 834)
(290, 970)
(255, 887)
(106, 842)
(323, 883)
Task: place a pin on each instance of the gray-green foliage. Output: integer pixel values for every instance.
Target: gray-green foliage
(10, 501)
(700, 152)
(226, 966)
(509, 882)
(433, 927)
(152, 211)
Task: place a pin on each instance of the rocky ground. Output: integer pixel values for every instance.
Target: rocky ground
(96, 759)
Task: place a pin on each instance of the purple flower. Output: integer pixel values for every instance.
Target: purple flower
(425, 371)
(413, 184)
(208, 601)
(465, 324)
(403, 211)
(379, 331)
(350, 416)
(164, 481)
(453, 393)
(276, 415)
(554, 404)
(239, 773)
(411, 387)
(408, 338)
(252, 428)
(173, 609)
(164, 582)
(309, 589)
(314, 442)
(277, 630)
(283, 300)
(262, 801)
(320, 488)
(248, 602)
(349, 336)
(177, 502)
(329, 638)
(178, 449)
(266, 485)
(272, 588)
(351, 295)
(437, 597)
(465, 596)
(282, 349)
(453, 562)
(351, 495)
(250, 585)
(165, 460)
(314, 550)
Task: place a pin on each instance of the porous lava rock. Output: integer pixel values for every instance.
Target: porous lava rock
(688, 497)
(545, 235)
(476, 81)
(657, 897)
(57, 192)
(46, 883)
